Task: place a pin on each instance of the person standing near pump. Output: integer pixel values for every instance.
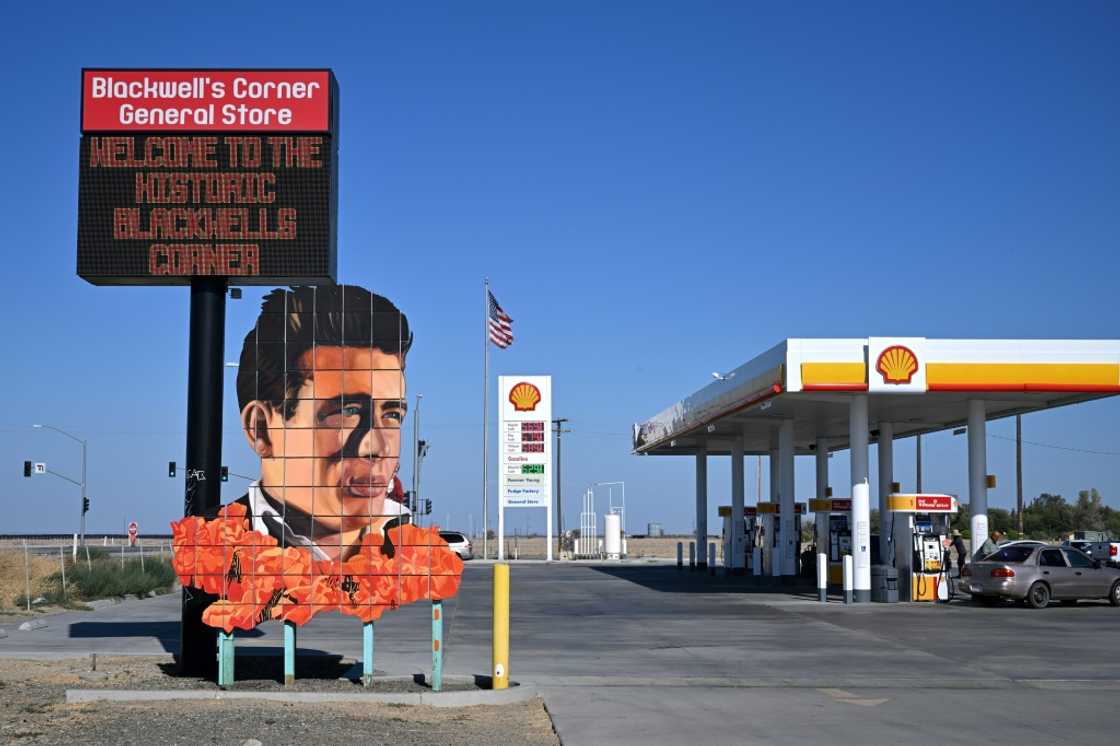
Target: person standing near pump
(958, 547)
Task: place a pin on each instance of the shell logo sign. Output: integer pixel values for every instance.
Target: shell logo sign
(524, 397)
(897, 364)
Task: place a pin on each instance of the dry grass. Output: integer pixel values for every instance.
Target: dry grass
(13, 579)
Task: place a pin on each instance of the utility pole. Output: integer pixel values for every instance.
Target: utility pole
(1019, 472)
(918, 464)
(559, 423)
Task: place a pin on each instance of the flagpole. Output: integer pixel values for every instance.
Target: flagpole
(485, 414)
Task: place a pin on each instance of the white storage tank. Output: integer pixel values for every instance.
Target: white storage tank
(612, 535)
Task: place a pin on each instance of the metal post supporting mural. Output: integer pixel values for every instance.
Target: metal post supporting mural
(437, 645)
(367, 654)
(289, 654)
(204, 453)
(225, 659)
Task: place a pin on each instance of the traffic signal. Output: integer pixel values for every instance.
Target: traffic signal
(85, 505)
(225, 473)
(26, 468)
(171, 469)
(427, 506)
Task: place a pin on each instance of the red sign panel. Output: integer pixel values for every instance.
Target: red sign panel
(933, 502)
(206, 100)
(841, 504)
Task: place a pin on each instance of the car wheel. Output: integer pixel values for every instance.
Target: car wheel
(1038, 597)
(1114, 594)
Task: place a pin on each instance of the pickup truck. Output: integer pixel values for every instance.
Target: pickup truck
(1108, 552)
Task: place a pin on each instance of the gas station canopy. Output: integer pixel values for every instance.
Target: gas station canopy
(919, 385)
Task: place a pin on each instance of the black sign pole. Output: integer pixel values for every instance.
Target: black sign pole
(198, 642)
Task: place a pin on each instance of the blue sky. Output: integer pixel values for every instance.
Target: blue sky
(656, 191)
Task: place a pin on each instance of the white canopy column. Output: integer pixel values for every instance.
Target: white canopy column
(861, 508)
(702, 507)
(977, 473)
(786, 496)
(886, 478)
(769, 522)
(821, 453)
(738, 537)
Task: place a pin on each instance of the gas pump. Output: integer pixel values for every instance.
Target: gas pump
(771, 515)
(750, 515)
(838, 540)
(920, 526)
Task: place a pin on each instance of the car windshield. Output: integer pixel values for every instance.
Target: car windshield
(1017, 553)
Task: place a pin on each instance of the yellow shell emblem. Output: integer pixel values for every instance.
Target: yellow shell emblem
(897, 364)
(524, 397)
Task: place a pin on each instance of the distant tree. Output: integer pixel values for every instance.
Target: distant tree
(1000, 519)
(1088, 514)
(1047, 517)
(1111, 521)
(962, 520)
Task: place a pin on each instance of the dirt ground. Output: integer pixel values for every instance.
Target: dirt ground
(33, 711)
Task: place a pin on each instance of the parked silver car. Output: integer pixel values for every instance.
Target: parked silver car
(1039, 574)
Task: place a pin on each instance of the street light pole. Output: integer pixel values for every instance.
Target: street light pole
(82, 503)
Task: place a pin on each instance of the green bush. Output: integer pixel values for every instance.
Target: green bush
(107, 578)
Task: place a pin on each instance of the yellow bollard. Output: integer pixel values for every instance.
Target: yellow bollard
(500, 657)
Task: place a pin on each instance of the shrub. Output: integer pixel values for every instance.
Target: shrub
(107, 578)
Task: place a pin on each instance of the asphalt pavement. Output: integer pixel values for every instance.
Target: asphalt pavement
(644, 653)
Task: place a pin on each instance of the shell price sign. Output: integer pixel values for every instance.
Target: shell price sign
(525, 449)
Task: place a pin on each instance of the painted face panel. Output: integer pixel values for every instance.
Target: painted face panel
(336, 454)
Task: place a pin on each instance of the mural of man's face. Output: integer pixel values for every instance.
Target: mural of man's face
(336, 455)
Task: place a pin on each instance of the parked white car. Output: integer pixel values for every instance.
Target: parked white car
(459, 544)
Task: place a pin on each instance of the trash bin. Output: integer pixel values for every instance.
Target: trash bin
(884, 584)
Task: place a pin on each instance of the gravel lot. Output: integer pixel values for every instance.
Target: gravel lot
(32, 711)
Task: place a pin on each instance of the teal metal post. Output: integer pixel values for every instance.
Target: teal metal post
(289, 653)
(225, 659)
(437, 645)
(367, 654)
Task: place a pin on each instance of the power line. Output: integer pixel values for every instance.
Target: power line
(1057, 447)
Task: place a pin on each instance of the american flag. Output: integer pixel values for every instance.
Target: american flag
(501, 325)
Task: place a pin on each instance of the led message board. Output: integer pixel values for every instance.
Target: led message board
(188, 173)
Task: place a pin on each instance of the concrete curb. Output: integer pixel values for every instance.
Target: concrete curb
(518, 693)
